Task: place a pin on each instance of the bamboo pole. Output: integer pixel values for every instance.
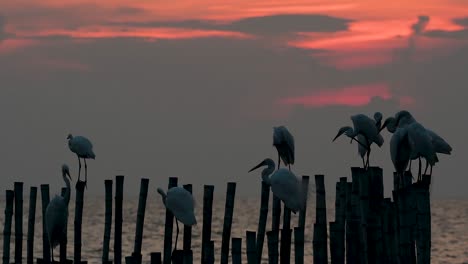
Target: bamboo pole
(140, 221)
(119, 186)
(169, 227)
(31, 222)
(228, 213)
(334, 242)
(236, 250)
(363, 179)
(285, 248)
(273, 238)
(276, 213)
(352, 222)
(265, 199)
(251, 247)
(80, 186)
(207, 217)
(10, 196)
(187, 243)
(299, 245)
(107, 222)
(340, 221)
(18, 187)
(45, 240)
(320, 227)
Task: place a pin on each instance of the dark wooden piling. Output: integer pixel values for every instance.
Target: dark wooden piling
(374, 215)
(31, 223)
(107, 222)
(273, 238)
(236, 250)
(265, 199)
(228, 213)
(63, 243)
(285, 248)
(209, 253)
(207, 217)
(320, 226)
(340, 219)
(423, 241)
(10, 196)
(45, 240)
(80, 187)
(187, 243)
(299, 245)
(388, 231)
(363, 180)
(18, 187)
(119, 186)
(334, 242)
(168, 228)
(251, 248)
(275, 213)
(140, 221)
(177, 256)
(352, 222)
(155, 258)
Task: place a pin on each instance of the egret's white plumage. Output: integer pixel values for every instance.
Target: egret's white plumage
(181, 204)
(284, 184)
(83, 148)
(57, 214)
(284, 144)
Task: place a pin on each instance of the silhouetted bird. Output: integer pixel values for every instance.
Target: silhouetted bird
(83, 148)
(284, 144)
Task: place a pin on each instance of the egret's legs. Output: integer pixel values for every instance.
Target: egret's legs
(425, 170)
(363, 163)
(419, 170)
(86, 173)
(279, 161)
(79, 168)
(177, 234)
(289, 165)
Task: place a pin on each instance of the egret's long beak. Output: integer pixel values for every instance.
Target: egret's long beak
(258, 166)
(384, 125)
(340, 132)
(69, 176)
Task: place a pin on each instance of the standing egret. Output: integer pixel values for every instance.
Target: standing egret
(365, 126)
(284, 144)
(180, 203)
(57, 214)
(284, 184)
(83, 148)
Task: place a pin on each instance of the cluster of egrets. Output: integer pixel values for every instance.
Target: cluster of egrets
(410, 140)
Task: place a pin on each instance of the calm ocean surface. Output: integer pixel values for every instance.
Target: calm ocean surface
(449, 227)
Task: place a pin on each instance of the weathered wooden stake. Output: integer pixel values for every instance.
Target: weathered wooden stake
(228, 213)
(265, 199)
(334, 242)
(423, 241)
(63, 243)
(155, 258)
(18, 222)
(363, 179)
(45, 240)
(31, 222)
(187, 245)
(236, 250)
(107, 222)
(273, 240)
(140, 221)
(119, 186)
(299, 249)
(340, 220)
(10, 196)
(251, 247)
(80, 186)
(207, 217)
(209, 257)
(374, 217)
(169, 227)
(320, 226)
(352, 222)
(299, 245)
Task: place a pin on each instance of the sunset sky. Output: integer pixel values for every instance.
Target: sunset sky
(193, 88)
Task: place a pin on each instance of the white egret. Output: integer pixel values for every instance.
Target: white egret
(57, 214)
(284, 184)
(83, 148)
(181, 204)
(365, 126)
(284, 144)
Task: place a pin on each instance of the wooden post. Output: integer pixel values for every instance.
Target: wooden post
(228, 213)
(276, 216)
(119, 185)
(18, 222)
(10, 196)
(169, 227)
(251, 247)
(155, 257)
(209, 256)
(334, 242)
(363, 180)
(273, 237)
(285, 248)
(236, 250)
(63, 243)
(177, 256)
(340, 220)
(187, 245)
(107, 222)
(265, 199)
(299, 245)
(207, 217)
(352, 221)
(423, 241)
(31, 222)
(374, 234)
(45, 240)
(320, 226)
(80, 186)
(404, 231)
(140, 220)
(389, 252)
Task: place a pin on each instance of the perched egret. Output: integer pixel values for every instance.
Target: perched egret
(57, 214)
(284, 144)
(83, 149)
(284, 184)
(365, 126)
(181, 204)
